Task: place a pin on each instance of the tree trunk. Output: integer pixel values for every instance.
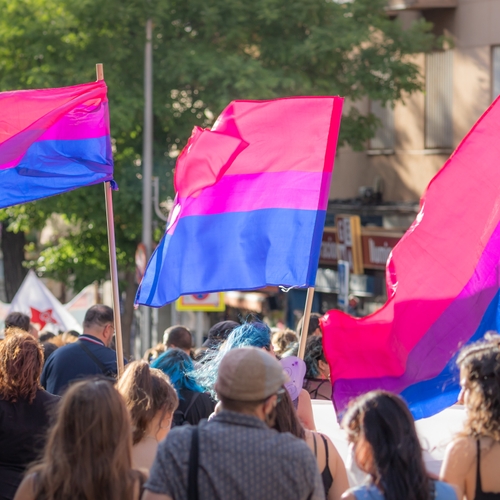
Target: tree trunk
(13, 258)
(128, 311)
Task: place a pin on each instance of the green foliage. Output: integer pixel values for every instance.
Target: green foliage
(206, 53)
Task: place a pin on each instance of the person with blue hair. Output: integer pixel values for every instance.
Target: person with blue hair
(194, 403)
(255, 334)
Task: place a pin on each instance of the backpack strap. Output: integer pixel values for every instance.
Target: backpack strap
(192, 489)
(191, 403)
(182, 415)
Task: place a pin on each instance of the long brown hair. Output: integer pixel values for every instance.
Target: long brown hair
(146, 392)
(286, 418)
(88, 451)
(384, 421)
(21, 363)
(480, 363)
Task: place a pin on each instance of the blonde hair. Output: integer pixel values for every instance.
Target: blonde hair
(88, 451)
(146, 391)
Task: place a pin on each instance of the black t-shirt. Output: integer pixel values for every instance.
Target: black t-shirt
(23, 427)
(202, 407)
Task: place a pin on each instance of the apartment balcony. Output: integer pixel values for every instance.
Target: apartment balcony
(398, 5)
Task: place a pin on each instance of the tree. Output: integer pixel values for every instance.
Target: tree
(206, 53)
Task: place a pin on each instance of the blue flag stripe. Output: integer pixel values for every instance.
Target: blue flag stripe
(234, 251)
(53, 167)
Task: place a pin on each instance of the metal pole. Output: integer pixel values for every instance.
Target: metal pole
(199, 329)
(305, 324)
(110, 220)
(147, 168)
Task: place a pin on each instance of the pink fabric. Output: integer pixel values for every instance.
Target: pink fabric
(266, 140)
(297, 190)
(430, 266)
(86, 121)
(27, 115)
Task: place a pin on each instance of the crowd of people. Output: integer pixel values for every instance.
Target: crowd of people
(233, 420)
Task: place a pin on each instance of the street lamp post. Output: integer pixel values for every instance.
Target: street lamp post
(147, 171)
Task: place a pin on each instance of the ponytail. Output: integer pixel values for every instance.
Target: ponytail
(146, 392)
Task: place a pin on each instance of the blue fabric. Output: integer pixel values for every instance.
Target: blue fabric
(234, 251)
(54, 167)
(443, 492)
(432, 396)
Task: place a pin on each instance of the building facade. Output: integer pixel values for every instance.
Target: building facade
(418, 135)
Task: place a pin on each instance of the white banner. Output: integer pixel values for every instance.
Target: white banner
(46, 312)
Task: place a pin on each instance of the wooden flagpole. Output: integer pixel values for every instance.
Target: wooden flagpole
(110, 220)
(305, 324)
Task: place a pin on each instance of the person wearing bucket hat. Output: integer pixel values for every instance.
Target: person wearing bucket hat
(236, 455)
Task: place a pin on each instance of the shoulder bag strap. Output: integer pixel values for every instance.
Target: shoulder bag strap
(192, 489)
(92, 356)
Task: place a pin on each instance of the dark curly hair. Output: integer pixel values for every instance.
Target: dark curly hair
(313, 355)
(480, 366)
(383, 419)
(21, 363)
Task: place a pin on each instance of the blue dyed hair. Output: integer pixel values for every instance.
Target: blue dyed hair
(180, 368)
(255, 334)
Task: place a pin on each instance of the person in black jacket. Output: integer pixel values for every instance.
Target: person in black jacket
(89, 355)
(194, 404)
(25, 408)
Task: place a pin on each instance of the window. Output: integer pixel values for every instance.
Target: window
(384, 136)
(495, 72)
(439, 100)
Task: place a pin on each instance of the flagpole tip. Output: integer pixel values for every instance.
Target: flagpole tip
(99, 70)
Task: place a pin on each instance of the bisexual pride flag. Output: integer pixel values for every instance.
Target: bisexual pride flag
(251, 201)
(52, 141)
(443, 282)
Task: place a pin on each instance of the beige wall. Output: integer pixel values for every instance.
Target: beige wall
(473, 26)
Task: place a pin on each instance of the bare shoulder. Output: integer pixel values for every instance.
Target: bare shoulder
(462, 446)
(329, 443)
(26, 490)
(459, 457)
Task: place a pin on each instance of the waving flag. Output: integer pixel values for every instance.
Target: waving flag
(251, 201)
(52, 141)
(443, 287)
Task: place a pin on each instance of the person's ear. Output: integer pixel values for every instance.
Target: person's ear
(109, 331)
(270, 404)
(324, 368)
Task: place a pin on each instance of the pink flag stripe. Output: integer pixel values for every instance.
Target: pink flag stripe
(290, 150)
(22, 108)
(83, 122)
(16, 111)
(244, 193)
